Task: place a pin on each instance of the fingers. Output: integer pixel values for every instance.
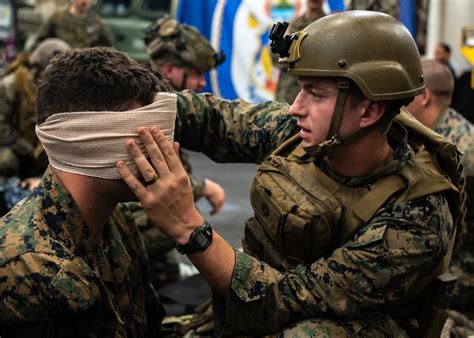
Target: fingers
(145, 168)
(132, 182)
(176, 148)
(154, 152)
(167, 150)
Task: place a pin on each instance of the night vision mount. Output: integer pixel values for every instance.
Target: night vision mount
(286, 46)
(280, 43)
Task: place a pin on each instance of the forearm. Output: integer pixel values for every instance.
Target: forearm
(231, 131)
(216, 264)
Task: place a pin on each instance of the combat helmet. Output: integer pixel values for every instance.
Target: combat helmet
(184, 43)
(374, 50)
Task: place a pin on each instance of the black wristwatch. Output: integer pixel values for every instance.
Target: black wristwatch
(199, 240)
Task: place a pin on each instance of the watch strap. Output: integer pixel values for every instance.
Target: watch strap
(193, 245)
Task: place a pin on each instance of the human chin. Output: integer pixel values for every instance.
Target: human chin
(307, 137)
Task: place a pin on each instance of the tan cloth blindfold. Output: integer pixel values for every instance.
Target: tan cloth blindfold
(91, 143)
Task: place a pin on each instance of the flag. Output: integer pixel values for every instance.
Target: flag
(408, 15)
(240, 29)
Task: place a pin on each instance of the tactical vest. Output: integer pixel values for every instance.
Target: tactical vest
(301, 214)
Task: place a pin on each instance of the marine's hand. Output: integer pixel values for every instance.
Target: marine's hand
(215, 195)
(169, 201)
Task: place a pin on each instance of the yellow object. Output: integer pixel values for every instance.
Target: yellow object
(467, 48)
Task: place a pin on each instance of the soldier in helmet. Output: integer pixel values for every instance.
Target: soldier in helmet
(181, 53)
(354, 213)
(183, 56)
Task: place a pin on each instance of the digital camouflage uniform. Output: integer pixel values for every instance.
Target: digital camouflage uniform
(53, 278)
(78, 32)
(287, 86)
(460, 131)
(367, 278)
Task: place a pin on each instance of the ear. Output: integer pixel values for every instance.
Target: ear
(426, 97)
(371, 112)
(167, 69)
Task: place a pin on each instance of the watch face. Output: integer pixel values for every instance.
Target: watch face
(202, 239)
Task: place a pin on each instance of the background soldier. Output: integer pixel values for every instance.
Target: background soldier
(18, 159)
(287, 86)
(443, 55)
(76, 25)
(352, 223)
(432, 109)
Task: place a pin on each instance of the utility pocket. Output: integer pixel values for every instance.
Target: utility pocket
(297, 214)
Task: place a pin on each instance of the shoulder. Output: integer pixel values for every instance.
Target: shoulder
(457, 129)
(38, 285)
(425, 217)
(57, 16)
(18, 231)
(26, 227)
(7, 85)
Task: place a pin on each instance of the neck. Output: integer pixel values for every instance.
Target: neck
(92, 199)
(354, 160)
(431, 114)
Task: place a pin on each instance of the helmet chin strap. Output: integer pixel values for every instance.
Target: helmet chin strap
(333, 139)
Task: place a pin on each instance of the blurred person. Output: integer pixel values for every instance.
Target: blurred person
(354, 213)
(287, 86)
(443, 55)
(19, 86)
(77, 25)
(432, 108)
(21, 162)
(72, 262)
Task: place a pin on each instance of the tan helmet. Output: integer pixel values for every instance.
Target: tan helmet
(186, 44)
(374, 50)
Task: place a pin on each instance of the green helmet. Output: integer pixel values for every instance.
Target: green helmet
(183, 44)
(374, 50)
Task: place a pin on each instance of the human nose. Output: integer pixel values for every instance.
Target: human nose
(298, 107)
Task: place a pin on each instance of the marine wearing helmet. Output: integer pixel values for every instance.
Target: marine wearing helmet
(357, 209)
(181, 53)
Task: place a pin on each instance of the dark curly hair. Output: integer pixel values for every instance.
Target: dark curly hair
(95, 79)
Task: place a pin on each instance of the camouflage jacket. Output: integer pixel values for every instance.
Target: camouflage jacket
(459, 131)
(371, 275)
(52, 272)
(78, 32)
